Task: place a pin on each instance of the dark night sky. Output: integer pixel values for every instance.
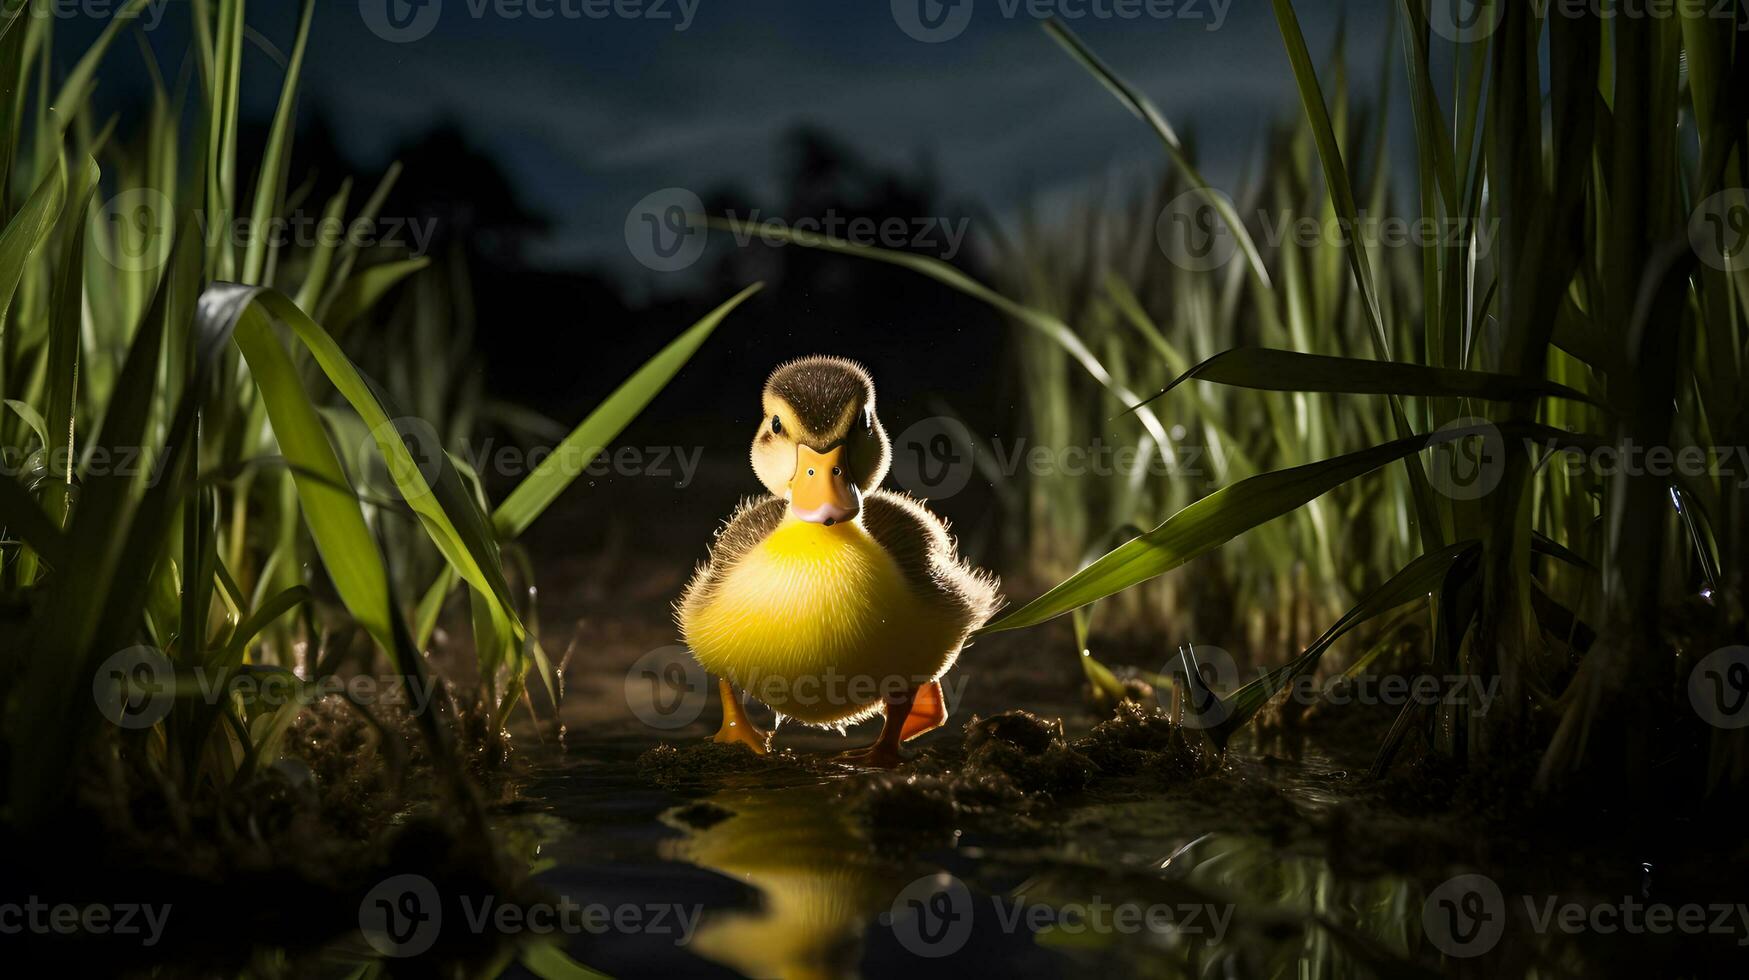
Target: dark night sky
(589, 115)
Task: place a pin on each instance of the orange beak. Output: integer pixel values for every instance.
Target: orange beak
(820, 492)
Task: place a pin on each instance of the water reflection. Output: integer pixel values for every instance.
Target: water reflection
(821, 883)
(1222, 904)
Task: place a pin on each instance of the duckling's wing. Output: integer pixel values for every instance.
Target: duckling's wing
(927, 554)
(752, 522)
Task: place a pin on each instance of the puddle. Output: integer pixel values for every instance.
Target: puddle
(786, 878)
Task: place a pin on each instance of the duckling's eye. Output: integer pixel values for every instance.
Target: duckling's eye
(776, 425)
(837, 472)
(810, 471)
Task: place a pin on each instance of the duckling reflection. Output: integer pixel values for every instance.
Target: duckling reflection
(820, 880)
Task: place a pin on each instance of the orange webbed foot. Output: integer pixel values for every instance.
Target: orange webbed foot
(876, 756)
(928, 712)
(737, 728)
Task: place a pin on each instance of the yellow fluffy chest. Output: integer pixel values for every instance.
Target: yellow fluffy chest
(824, 609)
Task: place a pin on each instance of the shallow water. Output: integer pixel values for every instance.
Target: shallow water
(1232, 875)
(784, 883)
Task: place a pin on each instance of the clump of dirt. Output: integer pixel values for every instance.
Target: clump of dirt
(1012, 766)
(697, 765)
(1027, 750)
(1137, 740)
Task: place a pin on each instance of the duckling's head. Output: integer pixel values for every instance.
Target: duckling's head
(819, 445)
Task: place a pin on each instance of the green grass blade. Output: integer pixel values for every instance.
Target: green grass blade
(32, 418)
(1211, 522)
(532, 496)
(362, 292)
(1415, 580)
(549, 962)
(64, 330)
(347, 254)
(71, 97)
(1266, 369)
(336, 523)
(322, 255)
(270, 182)
(261, 617)
(446, 510)
(23, 518)
(26, 232)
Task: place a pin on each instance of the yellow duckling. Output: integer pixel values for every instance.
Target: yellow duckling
(831, 600)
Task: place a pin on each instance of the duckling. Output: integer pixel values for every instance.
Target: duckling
(830, 599)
